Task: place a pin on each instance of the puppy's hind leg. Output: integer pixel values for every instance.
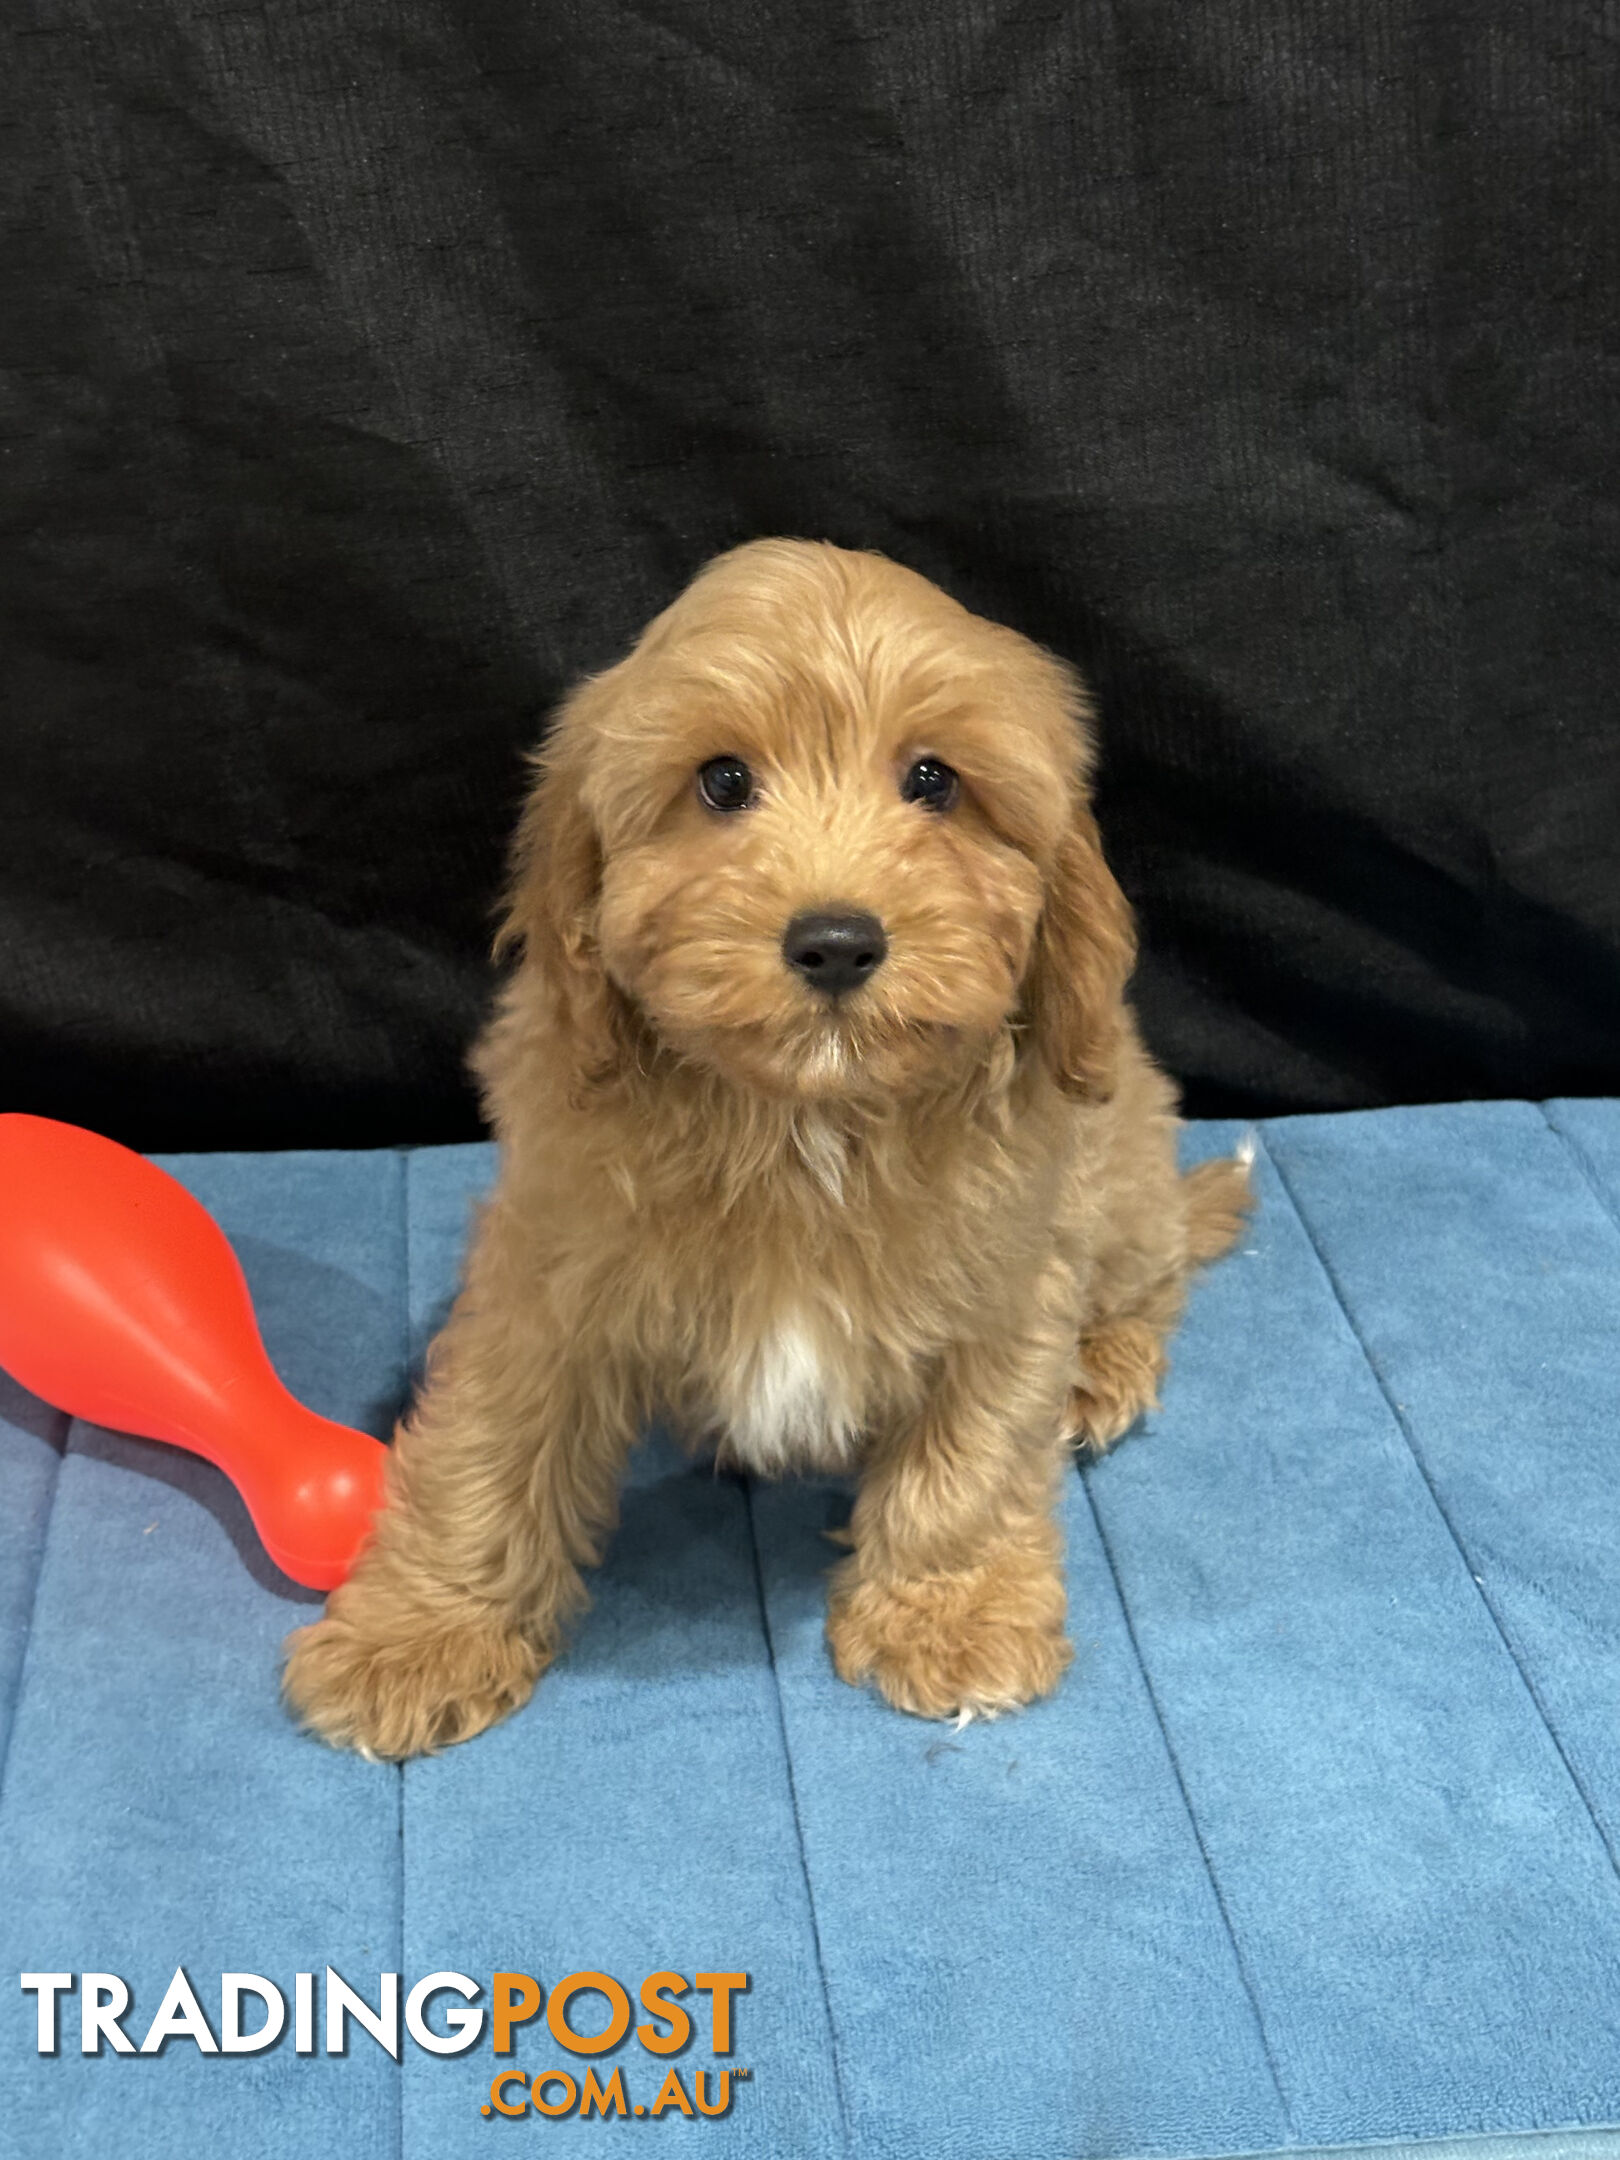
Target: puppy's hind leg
(1122, 1351)
(1122, 1362)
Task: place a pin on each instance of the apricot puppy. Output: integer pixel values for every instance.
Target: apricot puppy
(824, 1128)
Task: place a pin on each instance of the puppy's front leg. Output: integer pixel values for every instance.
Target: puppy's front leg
(503, 1480)
(953, 1597)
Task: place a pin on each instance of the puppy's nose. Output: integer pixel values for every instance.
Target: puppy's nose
(834, 952)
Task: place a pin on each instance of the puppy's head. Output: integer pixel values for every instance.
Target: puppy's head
(826, 833)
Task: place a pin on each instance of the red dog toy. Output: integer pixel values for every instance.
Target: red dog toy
(122, 1302)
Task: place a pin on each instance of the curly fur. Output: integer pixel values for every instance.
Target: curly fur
(934, 1232)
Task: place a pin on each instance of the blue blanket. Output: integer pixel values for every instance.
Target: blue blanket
(1318, 1845)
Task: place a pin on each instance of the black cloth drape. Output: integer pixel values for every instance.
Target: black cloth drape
(371, 368)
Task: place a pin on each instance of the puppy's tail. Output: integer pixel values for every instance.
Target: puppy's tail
(1218, 1198)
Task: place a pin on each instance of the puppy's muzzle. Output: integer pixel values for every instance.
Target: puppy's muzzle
(834, 953)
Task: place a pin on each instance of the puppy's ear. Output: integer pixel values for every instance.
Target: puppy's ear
(551, 904)
(1085, 947)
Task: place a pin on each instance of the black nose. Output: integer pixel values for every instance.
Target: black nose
(834, 952)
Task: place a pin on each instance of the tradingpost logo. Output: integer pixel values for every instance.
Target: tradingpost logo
(444, 2013)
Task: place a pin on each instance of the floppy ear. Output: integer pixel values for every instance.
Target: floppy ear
(552, 896)
(1085, 947)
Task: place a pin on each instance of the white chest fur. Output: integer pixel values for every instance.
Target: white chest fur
(785, 1405)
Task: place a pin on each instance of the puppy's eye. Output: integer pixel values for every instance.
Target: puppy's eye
(725, 783)
(930, 783)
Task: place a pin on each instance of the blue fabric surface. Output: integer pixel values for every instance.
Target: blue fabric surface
(1316, 1846)
(157, 1809)
(32, 1440)
(641, 1807)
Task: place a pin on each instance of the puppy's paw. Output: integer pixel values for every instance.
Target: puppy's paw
(409, 1692)
(1121, 1366)
(968, 1645)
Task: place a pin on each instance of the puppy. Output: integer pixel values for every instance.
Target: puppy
(824, 1127)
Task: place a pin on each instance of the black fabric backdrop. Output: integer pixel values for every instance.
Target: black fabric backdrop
(371, 367)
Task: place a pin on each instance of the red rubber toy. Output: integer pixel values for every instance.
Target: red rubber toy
(122, 1302)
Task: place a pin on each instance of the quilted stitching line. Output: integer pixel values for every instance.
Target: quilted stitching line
(798, 1822)
(61, 1431)
(1585, 1165)
(1210, 1870)
(1457, 1539)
